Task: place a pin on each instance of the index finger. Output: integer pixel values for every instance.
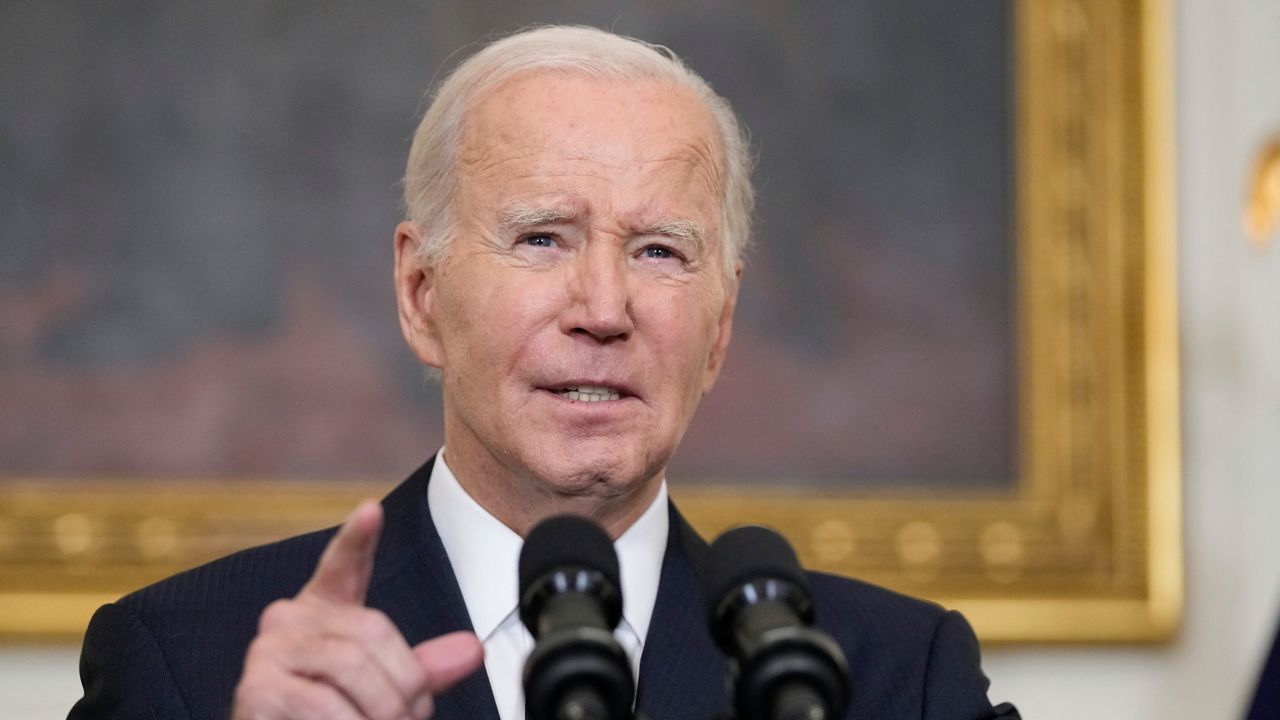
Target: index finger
(342, 575)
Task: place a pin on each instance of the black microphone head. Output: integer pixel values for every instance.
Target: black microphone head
(745, 554)
(568, 541)
(760, 612)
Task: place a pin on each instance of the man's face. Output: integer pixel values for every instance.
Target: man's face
(582, 310)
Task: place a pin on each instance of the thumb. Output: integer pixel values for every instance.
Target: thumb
(449, 658)
(342, 575)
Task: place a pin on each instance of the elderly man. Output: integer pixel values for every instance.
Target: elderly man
(578, 205)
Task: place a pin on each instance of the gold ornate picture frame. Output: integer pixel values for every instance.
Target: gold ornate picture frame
(1085, 547)
(1088, 545)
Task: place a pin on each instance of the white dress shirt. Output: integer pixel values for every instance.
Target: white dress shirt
(485, 555)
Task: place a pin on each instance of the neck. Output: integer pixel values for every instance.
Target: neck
(520, 499)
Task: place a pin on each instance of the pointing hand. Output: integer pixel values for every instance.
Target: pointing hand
(323, 654)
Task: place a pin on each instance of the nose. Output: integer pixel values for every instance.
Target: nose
(599, 297)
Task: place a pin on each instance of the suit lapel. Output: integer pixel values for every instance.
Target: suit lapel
(682, 673)
(414, 585)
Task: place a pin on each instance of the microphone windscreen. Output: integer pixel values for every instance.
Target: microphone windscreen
(749, 553)
(567, 540)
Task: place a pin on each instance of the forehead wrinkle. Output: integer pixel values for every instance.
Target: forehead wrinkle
(479, 161)
(700, 162)
(710, 158)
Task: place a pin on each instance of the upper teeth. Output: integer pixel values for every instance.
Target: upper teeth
(590, 393)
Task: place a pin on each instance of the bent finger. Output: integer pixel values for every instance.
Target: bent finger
(289, 697)
(350, 668)
(374, 632)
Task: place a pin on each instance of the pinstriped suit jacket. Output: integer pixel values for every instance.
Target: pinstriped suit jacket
(176, 649)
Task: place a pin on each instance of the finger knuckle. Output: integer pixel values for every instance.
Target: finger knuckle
(262, 646)
(387, 707)
(304, 649)
(321, 702)
(374, 625)
(424, 707)
(252, 654)
(278, 614)
(250, 697)
(347, 660)
(415, 678)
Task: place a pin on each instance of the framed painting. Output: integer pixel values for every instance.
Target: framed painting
(954, 368)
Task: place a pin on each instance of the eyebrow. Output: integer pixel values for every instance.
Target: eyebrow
(680, 229)
(523, 217)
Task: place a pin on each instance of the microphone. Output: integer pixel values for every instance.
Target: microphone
(761, 615)
(571, 600)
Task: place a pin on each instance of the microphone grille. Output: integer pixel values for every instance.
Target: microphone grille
(747, 553)
(565, 540)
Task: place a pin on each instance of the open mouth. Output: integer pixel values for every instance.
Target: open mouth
(589, 393)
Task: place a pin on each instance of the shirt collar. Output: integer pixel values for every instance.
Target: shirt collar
(485, 554)
(640, 552)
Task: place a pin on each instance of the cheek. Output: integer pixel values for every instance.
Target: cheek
(494, 319)
(688, 328)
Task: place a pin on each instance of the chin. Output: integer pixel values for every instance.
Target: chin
(604, 476)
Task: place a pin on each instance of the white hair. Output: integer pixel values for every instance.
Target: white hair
(430, 180)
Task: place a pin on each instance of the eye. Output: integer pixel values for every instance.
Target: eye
(538, 240)
(658, 252)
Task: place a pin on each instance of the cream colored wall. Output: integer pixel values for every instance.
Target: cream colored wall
(37, 683)
(1228, 100)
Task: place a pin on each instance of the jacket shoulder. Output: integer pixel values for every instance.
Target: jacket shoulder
(908, 657)
(195, 626)
(843, 602)
(217, 604)
(234, 584)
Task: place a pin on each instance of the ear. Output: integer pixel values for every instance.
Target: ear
(415, 285)
(724, 330)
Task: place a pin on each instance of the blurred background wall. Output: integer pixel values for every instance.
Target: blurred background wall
(1228, 102)
(199, 203)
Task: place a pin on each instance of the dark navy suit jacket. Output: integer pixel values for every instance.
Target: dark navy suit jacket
(176, 649)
